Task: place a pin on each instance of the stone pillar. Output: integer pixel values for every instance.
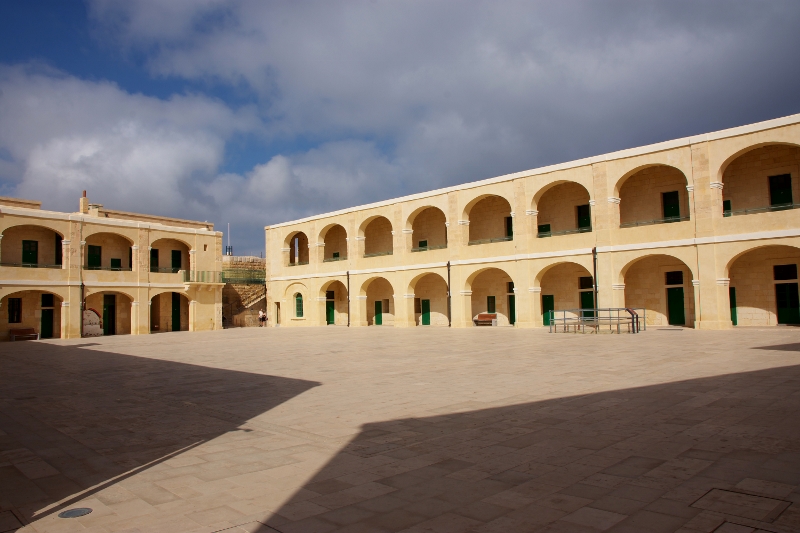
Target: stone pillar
(533, 223)
(404, 317)
(712, 307)
(535, 305)
(463, 228)
(464, 317)
(358, 306)
(193, 312)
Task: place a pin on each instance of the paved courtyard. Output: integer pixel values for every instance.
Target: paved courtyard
(419, 430)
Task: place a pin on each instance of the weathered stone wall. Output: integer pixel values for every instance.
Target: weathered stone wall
(242, 302)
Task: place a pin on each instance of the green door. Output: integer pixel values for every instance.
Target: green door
(671, 204)
(46, 332)
(675, 313)
(548, 304)
(426, 312)
(30, 252)
(94, 257)
(176, 311)
(512, 310)
(109, 314)
(587, 302)
(378, 313)
(176, 260)
(780, 190)
(732, 297)
(329, 312)
(584, 217)
(788, 302)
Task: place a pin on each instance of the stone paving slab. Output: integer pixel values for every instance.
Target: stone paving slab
(417, 430)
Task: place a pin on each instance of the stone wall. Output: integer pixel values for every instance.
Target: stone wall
(558, 206)
(241, 302)
(492, 282)
(113, 247)
(31, 313)
(433, 288)
(645, 286)
(336, 241)
(123, 309)
(429, 226)
(487, 218)
(563, 283)
(378, 234)
(640, 195)
(380, 289)
(753, 278)
(12, 244)
(746, 180)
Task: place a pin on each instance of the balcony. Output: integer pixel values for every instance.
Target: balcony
(753, 210)
(667, 220)
(298, 263)
(487, 241)
(332, 259)
(110, 268)
(426, 248)
(378, 254)
(165, 270)
(30, 265)
(544, 234)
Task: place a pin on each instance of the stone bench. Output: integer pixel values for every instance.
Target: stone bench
(485, 319)
(23, 334)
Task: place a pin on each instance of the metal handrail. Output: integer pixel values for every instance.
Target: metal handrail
(298, 263)
(767, 209)
(544, 234)
(165, 270)
(331, 259)
(426, 248)
(202, 276)
(112, 269)
(376, 254)
(666, 220)
(577, 320)
(30, 265)
(487, 241)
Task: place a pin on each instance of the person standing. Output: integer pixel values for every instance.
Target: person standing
(261, 318)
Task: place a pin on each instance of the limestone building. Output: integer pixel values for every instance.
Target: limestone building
(701, 231)
(136, 273)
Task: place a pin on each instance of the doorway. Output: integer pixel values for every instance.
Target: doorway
(426, 312)
(109, 314)
(676, 315)
(378, 313)
(786, 297)
(548, 305)
(176, 311)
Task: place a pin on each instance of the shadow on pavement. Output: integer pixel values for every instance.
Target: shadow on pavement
(693, 454)
(76, 420)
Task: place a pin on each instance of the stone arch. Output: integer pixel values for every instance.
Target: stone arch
(120, 315)
(744, 150)
(563, 207)
(488, 216)
(336, 306)
(334, 238)
(378, 289)
(428, 225)
(746, 176)
(32, 311)
(163, 310)
(164, 248)
(297, 244)
(565, 285)
(642, 194)
(636, 170)
(377, 232)
(491, 284)
(47, 253)
(115, 249)
(549, 186)
(763, 285)
(430, 299)
(652, 282)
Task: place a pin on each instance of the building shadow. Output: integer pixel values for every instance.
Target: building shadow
(695, 454)
(75, 420)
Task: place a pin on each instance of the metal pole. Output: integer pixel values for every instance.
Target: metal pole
(449, 309)
(348, 298)
(594, 265)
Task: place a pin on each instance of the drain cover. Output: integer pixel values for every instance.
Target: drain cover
(75, 513)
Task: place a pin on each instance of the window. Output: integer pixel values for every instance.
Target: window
(544, 229)
(330, 295)
(726, 208)
(116, 264)
(298, 305)
(94, 257)
(490, 304)
(30, 252)
(47, 300)
(674, 278)
(423, 244)
(584, 213)
(780, 190)
(205, 247)
(14, 310)
(336, 255)
(585, 282)
(671, 204)
(510, 287)
(153, 260)
(510, 227)
(784, 272)
(176, 260)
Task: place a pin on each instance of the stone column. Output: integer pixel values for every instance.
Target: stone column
(358, 306)
(404, 317)
(535, 305)
(463, 319)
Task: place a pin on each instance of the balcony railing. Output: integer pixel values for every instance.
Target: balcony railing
(426, 248)
(30, 265)
(244, 277)
(298, 263)
(377, 254)
(779, 207)
(666, 220)
(112, 269)
(332, 259)
(202, 276)
(165, 270)
(487, 241)
(543, 234)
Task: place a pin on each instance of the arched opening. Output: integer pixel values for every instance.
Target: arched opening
(492, 299)
(335, 301)
(39, 311)
(761, 180)
(430, 300)
(169, 311)
(428, 230)
(490, 221)
(380, 302)
(169, 256)
(378, 237)
(298, 249)
(108, 251)
(31, 247)
(763, 287)
(653, 195)
(564, 209)
(662, 285)
(299, 306)
(335, 239)
(565, 287)
(113, 309)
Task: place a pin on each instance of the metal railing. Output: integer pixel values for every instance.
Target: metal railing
(202, 276)
(376, 254)
(30, 265)
(778, 207)
(544, 234)
(165, 270)
(298, 263)
(112, 269)
(615, 319)
(244, 277)
(332, 259)
(666, 220)
(487, 241)
(426, 248)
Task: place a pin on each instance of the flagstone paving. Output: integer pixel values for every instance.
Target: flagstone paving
(419, 430)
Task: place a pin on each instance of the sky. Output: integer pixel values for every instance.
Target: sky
(257, 112)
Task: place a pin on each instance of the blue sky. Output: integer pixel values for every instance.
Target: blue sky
(254, 112)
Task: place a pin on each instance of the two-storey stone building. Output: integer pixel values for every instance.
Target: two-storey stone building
(137, 273)
(700, 231)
